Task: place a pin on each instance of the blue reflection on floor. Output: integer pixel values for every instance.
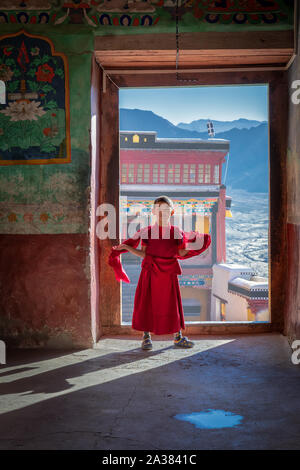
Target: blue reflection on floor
(211, 419)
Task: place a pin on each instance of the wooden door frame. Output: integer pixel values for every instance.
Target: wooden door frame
(109, 290)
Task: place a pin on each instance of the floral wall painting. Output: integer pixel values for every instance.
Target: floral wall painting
(35, 119)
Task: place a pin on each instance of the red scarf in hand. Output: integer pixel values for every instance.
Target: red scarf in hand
(190, 237)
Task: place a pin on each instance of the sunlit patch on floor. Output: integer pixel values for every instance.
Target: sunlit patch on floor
(211, 419)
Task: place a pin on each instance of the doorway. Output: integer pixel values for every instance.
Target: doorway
(109, 290)
(207, 149)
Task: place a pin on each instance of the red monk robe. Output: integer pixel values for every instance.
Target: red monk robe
(157, 303)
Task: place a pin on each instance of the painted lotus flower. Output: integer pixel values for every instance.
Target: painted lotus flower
(24, 111)
(44, 73)
(5, 73)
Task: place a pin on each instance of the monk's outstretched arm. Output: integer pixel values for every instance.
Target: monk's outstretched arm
(184, 251)
(134, 251)
(137, 252)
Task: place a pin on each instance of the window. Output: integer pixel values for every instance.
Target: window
(189, 173)
(145, 139)
(155, 173)
(185, 173)
(139, 173)
(216, 174)
(201, 173)
(146, 173)
(131, 173)
(135, 139)
(124, 173)
(162, 172)
(177, 173)
(171, 173)
(204, 173)
(192, 173)
(207, 173)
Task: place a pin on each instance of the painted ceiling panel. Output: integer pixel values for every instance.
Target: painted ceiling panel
(160, 15)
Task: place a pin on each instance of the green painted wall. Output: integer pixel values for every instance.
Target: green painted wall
(54, 198)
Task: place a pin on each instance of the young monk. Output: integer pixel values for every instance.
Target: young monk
(157, 303)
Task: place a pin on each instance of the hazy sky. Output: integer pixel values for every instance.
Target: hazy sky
(186, 104)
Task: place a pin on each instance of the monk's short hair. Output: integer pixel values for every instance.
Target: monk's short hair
(165, 199)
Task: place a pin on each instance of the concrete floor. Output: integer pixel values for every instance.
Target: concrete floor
(120, 397)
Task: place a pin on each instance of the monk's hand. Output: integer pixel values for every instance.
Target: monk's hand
(182, 252)
(122, 246)
(197, 243)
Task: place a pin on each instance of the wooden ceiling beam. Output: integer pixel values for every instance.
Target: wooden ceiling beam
(196, 50)
(251, 40)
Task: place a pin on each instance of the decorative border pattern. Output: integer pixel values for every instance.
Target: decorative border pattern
(116, 13)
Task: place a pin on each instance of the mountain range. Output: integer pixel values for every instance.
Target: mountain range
(219, 126)
(248, 165)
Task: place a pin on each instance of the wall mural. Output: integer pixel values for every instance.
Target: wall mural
(99, 13)
(34, 122)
